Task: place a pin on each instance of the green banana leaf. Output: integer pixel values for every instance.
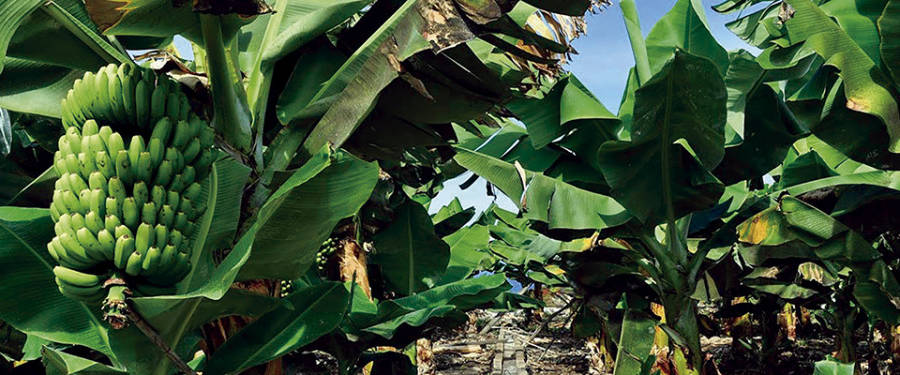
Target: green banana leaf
(635, 342)
(760, 127)
(468, 249)
(13, 14)
(567, 105)
(889, 29)
(308, 314)
(543, 198)
(156, 18)
(684, 27)
(24, 233)
(301, 214)
(865, 86)
(411, 256)
(832, 366)
(679, 121)
(57, 362)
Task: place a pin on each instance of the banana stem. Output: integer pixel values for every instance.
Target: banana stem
(114, 305)
(157, 340)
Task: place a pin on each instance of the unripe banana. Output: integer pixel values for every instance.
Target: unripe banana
(114, 208)
(141, 193)
(58, 252)
(101, 89)
(133, 265)
(105, 164)
(86, 163)
(117, 189)
(126, 81)
(124, 249)
(107, 243)
(98, 181)
(176, 157)
(123, 231)
(151, 261)
(158, 196)
(130, 212)
(166, 216)
(114, 89)
(74, 139)
(182, 134)
(104, 133)
(90, 244)
(164, 173)
(193, 192)
(76, 221)
(155, 148)
(158, 102)
(98, 202)
(123, 167)
(71, 201)
(176, 238)
(177, 183)
(173, 199)
(93, 223)
(111, 222)
(135, 148)
(189, 176)
(142, 103)
(72, 164)
(144, 238)
(144, 168)
(192, 151)
(173, 104)
(73, 249)
(181, 222)
(115, 144)
(148, 213)
(89, 128)
(54, 213)
(161, 236)
(76, 278)
(162, 130)
(88, 294)
(185, 106)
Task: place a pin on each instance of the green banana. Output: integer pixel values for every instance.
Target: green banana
(133, 265)
(166, 216)
(93, 222)
(164, 173)
(90, 244)
(123, 167)
(124, 249)
(144, 238)
(148, 213)
(144, 168)
(76, 278)
(155, 148)
(151, 261)
(107, 243)
(158, 196)
(114, 208)
(130, 212)
(105, 164)
(142, 96)
(135, 148)
(111, 222)
(158, 102)
(97, 181)
(162, 130)
(141, 193)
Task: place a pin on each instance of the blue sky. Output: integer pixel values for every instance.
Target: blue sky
(605, 54)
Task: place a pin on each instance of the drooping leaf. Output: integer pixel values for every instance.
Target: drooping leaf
(57, 362)
(301, 214)
(312, 313)
(411, 256)
(864, 85)
(13, 14)
(684, 27)
(467, 250)
(28, 270)
(543, 198)
(889, 28)
(566, 105)
(679, 120)
(832, 366)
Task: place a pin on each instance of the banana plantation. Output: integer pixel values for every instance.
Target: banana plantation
(257, 187)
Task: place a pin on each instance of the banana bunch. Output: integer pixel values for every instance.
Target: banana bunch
(326, 250)
(124, 96)
(124, 213)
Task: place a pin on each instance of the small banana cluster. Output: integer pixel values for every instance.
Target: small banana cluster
(124, 213)
(325, 252)
(287, 287)
(124, 96)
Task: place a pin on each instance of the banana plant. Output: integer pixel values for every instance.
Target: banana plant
(281, 100)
